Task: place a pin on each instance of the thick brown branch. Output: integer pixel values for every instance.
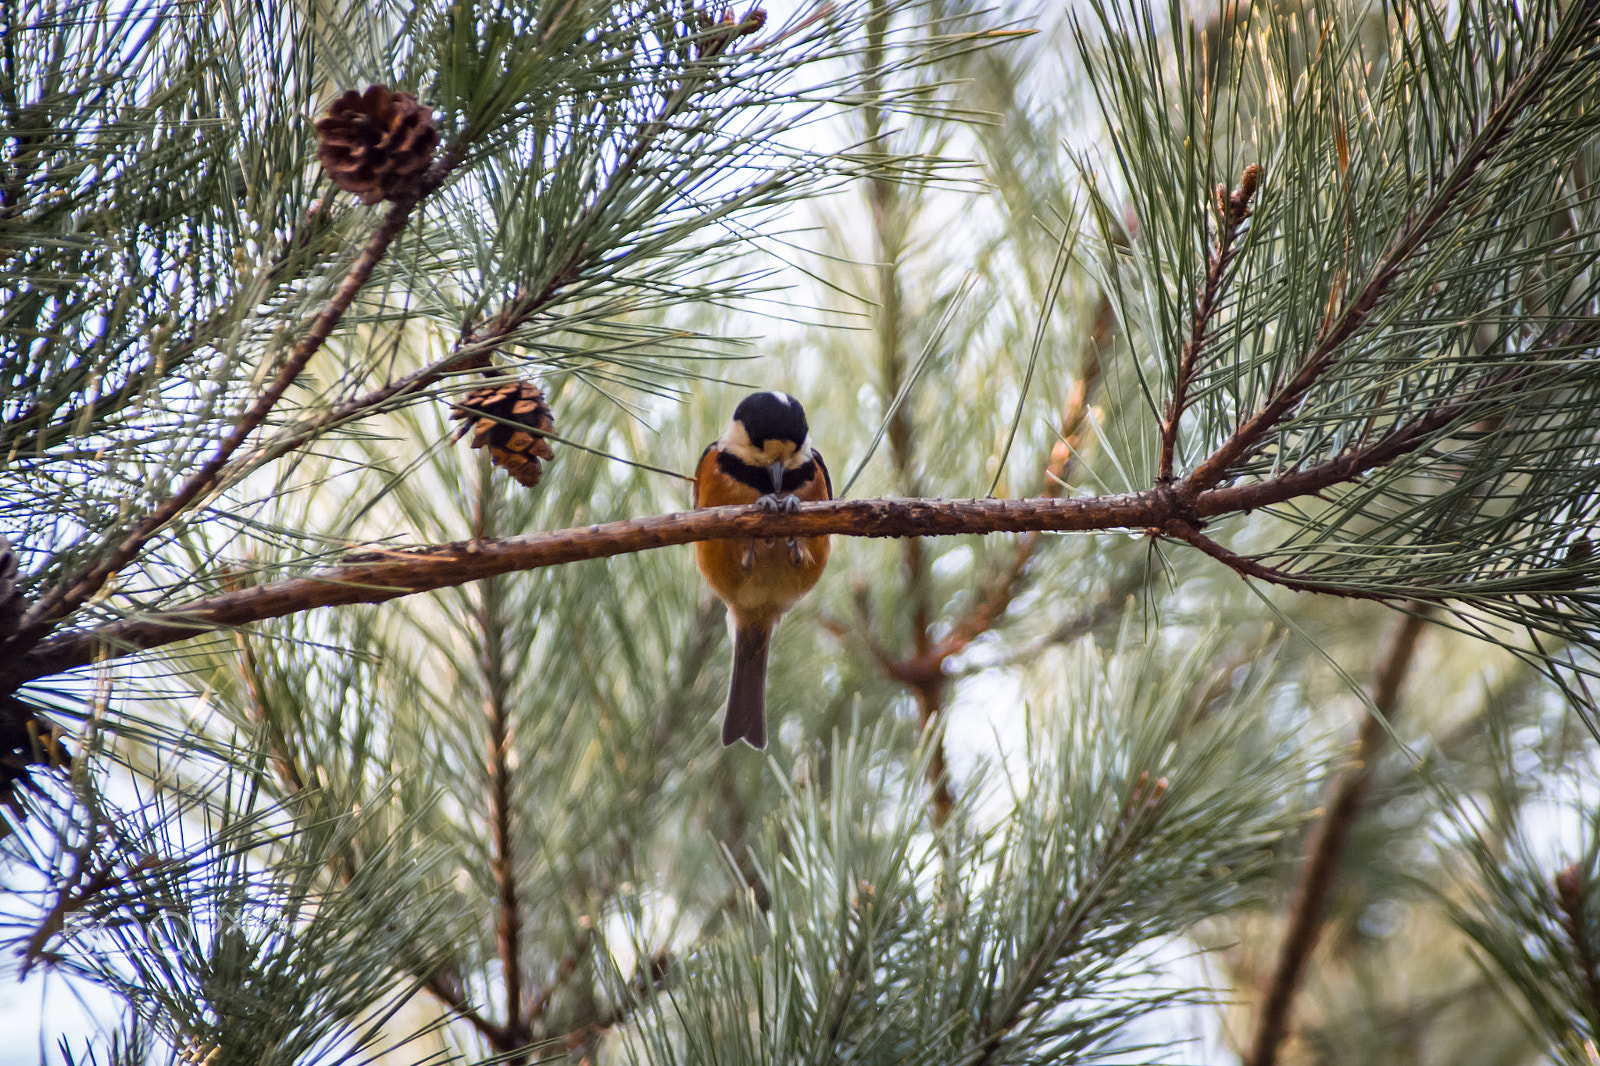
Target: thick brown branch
(1344, 326)
(382, 576)
(375, 577)
(1327, 843)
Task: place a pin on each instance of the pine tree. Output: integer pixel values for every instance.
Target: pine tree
(352, 360)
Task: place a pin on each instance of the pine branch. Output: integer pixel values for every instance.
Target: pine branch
(1338, 330)
(1106, 608)
(1232, 210)
(1073, 917)
(566, 970)
(1247, 567)
(67, 597)
(375, 577)
(1327, 843)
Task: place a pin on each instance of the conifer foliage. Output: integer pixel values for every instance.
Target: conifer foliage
(320, 741)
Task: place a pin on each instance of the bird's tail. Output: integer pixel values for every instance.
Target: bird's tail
(747, 689)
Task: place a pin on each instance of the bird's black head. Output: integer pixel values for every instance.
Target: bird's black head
(772, 416)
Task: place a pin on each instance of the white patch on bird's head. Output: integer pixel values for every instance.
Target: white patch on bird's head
(769, 428)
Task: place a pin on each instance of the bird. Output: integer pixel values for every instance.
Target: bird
(765, 458)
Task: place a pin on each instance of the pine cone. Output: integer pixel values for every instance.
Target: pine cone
(507, 416)
(378, 143)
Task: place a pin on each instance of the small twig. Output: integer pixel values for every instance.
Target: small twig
(283, 760)
(1326, 845)
(1247, 567)
(650, 978)
(863, 635)
(69, 896)
(924, 672)
(1232, 210)
(1108, 606)
(447, 990)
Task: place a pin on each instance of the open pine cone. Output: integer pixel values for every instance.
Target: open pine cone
(377, 144)
(506, 416)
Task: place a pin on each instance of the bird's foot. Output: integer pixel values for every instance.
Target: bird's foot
(788, 503)
(796, 553)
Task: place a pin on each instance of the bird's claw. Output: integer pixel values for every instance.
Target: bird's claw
(788, 503)
(796, 553)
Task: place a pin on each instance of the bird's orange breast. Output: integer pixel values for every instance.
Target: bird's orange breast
(758, 578)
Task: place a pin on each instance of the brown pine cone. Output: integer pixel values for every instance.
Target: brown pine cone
(378, 143)
(507, 416)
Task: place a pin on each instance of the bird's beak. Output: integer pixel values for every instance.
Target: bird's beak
(776, 469)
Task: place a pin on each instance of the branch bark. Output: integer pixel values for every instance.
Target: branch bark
(375, 577)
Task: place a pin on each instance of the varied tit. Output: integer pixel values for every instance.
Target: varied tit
(763, 458)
